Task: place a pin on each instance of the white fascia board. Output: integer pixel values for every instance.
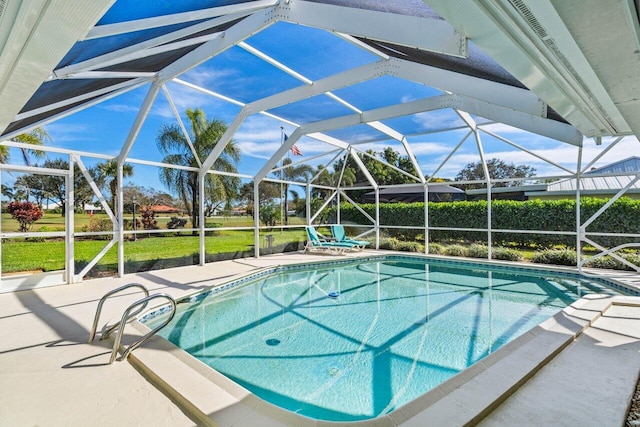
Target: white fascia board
(581, 69)
(449, 81)
(434, 35)
(498, 29)
(242, 30)
(337, 81)
(177, 18)
(538, 125)
(279, 154)
(408, 108)
(40, 34)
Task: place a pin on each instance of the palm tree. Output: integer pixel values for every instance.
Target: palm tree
(35, 137)
(108, 173)
(292, 173)
(330, 179)
(204, 134)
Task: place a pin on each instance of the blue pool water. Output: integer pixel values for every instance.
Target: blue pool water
(355, 340)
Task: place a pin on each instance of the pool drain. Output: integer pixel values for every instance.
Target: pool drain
(272, 342)
(333, 294)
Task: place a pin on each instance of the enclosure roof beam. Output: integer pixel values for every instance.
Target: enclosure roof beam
(177, 18)
(535, 124)
(242, 30)
(436, 36)
(450, 81)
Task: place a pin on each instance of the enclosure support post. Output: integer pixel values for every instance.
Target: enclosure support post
(308, 203)
(377, 217)
(201, 176)
(578, 226)
(256, 218)
(120, 215)
(426, 219)
(338, 219)
(69, 222)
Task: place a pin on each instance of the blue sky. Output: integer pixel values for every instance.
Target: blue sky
(314, 54)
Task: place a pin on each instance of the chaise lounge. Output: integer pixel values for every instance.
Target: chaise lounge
(316, 243)
(340, 236)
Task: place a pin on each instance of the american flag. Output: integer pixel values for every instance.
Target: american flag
(294, 149)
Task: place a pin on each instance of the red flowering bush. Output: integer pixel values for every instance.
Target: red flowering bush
(26, 213)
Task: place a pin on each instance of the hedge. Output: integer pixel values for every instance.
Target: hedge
(545, 215)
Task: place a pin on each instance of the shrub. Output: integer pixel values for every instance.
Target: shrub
(98, 224)
(555, 256)
(546, 215)
(26, 213)
(436, 249)
(213, 225)
(455, 250)
(410, 247)
(477, 251)
(505, 254)
(176, 222)
(610, 263)
(389, 243)
(148, 218)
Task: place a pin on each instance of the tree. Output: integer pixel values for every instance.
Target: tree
(35, 137)
(26, 213)
(498, 169)
(267, 192)
(108, 175)
(205, 135)
(292, 173)
(53, 187)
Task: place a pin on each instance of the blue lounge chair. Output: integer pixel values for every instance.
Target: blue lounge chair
(340, 236)
(317, 243)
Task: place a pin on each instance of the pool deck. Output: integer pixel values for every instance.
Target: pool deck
(50, 375)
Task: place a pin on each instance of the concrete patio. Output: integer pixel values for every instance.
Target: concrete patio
(49, 375)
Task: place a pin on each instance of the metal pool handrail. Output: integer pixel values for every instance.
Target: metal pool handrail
(125, 318)
(107, 330)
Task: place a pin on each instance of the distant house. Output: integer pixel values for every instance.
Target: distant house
(91, 209)
(164, 209)
(590, 186)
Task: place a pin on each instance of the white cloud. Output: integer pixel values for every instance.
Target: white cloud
(437, 119)
(204, 76)
(122, 108)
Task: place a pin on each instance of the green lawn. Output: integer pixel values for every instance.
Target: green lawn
(143, 254)
(55, 222)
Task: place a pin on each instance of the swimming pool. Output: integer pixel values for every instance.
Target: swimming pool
(397, 328)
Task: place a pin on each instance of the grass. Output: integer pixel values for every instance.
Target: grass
(142, 254)
(55, 222)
